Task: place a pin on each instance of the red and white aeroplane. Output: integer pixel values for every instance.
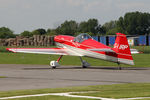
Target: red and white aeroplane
(84, 45)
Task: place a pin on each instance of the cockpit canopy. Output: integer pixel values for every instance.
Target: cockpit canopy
(82, 37)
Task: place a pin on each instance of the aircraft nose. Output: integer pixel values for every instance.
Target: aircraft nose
(56, 38)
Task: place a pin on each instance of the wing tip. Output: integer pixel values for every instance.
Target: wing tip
(10, 49)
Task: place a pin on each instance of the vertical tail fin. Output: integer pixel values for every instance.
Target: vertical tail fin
(121, 47)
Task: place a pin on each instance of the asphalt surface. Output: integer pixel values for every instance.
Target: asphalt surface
(42, 76)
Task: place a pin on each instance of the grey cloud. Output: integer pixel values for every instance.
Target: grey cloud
(22, 15)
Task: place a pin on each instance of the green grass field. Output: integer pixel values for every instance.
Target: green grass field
(106, 91)
(121, 91)
(3, 77)
(141, 60)
(58, 98)
(52, 98)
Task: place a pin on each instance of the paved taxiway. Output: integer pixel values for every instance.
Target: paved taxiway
(42, 76)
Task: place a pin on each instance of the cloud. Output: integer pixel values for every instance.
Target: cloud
(141, 5)
(6, 3)
(23, 15)
(76, 2)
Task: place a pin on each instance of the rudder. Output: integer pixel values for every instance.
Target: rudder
(121, 47)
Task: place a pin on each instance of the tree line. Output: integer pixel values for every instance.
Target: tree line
(132, 23)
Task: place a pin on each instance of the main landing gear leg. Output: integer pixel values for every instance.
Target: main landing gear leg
(119, 67)
(55, 64)
(84, 63)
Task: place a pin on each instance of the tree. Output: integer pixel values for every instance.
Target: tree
(120, 27)
(26, 33)
(110, 25)
(48, 30)
(135, 23)
(39, 31)
(83, 27)
(112, 31)
(6, 33)
(51, 32)
(67, 28)
(35, 32)
(91, 26)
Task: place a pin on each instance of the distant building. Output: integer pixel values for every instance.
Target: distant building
(133, 41)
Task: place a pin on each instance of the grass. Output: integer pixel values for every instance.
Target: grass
(122, 91)
(141, 60)
(106, 91)
(40, 91)
(52, 98)
(3, 77)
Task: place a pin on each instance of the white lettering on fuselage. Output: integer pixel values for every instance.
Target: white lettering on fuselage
(116, 45)
(121, 47)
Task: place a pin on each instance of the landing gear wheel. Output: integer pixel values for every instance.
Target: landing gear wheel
(54, 64)
(119, 67)
(85, 64)
(53, 67)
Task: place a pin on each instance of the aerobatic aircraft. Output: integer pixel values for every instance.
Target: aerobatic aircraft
(84, 45)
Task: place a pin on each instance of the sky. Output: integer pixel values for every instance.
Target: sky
(21, 15)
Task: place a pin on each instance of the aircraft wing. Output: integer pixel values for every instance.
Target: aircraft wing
(102, 50)
(134, 51)
(56, 51)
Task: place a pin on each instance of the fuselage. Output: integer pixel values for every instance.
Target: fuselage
(82, 48)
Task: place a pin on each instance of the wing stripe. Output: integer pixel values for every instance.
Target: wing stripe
(59, 51)
(56, 51)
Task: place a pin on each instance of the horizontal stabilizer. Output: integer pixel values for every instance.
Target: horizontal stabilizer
(134, 51)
